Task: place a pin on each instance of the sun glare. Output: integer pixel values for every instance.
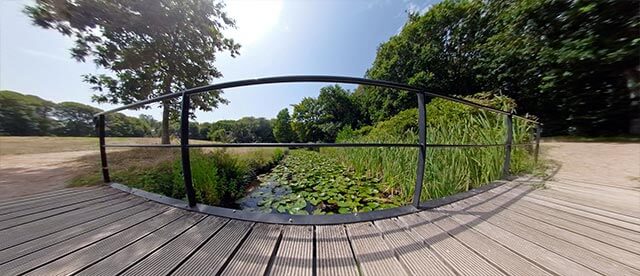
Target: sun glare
(254, 19)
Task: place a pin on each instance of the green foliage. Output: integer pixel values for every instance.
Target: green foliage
(75, 119)
(282, 130)
(25, 115)
(244, 130)
(152, 47)
(319, 184)
(448, 170)
(320, 119)
(573, 63)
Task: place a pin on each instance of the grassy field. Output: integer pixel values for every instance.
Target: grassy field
(46, 144)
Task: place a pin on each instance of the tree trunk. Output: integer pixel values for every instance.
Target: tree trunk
(166, 110)
(165, 123)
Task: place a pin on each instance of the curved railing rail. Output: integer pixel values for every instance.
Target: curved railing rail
(421, 145)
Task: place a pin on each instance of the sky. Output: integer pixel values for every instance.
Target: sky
(278, 37)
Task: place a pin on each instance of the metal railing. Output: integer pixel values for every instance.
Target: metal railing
(421, 145)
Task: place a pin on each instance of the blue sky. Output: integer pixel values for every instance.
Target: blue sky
(304, 37)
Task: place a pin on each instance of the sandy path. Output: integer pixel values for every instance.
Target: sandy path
(609, 164)
(33, 173)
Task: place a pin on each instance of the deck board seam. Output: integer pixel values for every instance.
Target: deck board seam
(123, 247)
(53, 208)
(568, 229)
(604, 211)
(235, 250)
(84, 204)
(565, 240)
(517, 233)
(159, 247)
(71, 237)
(198, 247)
(92, 243)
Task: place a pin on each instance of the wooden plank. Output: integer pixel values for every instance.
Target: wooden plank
(113, 213)
(295, 253)
(590, 215)
(132, 253)
(596, 217)
(575, 253)
(461, 259)
(533, 252)
(372, 254)
(333, 252)
(56, 205)
(169, 256)
(46, 201)
(57, 219)
(212, 256)
(72, 263)
(556, 214)
(252, 258)
(503, 258)
(35, 259)
(565, 201)
(623, 204)
(416, 256)
(573, 230)
(41, 195)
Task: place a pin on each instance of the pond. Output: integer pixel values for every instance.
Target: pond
(308, 182)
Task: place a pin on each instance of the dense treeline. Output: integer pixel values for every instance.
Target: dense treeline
(28, 115)
(574, 64)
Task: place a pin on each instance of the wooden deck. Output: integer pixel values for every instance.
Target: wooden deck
(570, 228)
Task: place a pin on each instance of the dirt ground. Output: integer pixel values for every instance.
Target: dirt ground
(24, 174)
(613, 164)
(610, 164)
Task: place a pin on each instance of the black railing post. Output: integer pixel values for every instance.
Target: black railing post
(537, 148)
(422, 137)
(100, 128)
(507, 147)
(184, 146)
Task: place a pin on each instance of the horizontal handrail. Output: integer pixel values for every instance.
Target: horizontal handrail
(306, 78)
(272, 145)
(309, 145)
(422, 144)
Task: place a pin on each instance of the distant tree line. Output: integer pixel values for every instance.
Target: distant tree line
(27, 115)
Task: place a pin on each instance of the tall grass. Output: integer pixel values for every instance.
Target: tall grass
(219, 176)
(448, 170)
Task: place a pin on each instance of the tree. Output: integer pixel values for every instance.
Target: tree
(25, 114)
(282, 127)
(321, 119)
(573, 63)
(307, 116)
(338, 111)
(75, 119)
(244, 130)
(152, 47)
